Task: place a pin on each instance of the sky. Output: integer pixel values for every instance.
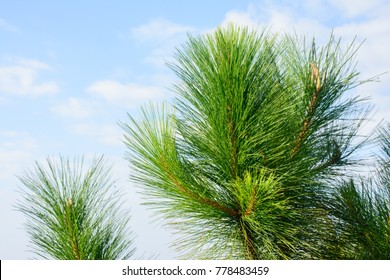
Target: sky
(71, 70)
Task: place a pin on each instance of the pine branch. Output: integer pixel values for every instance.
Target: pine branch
(202, 200)
(233, 148)
(69, 215)
(248, 238)
(251, 204)
(316, 81)
(333, 160)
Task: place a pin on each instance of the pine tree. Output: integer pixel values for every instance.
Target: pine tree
(73, 212)
(249, 159)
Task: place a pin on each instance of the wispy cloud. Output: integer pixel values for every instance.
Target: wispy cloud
(73, 108)
(244, 18)
(128, 95)
(160, 29)
(20, 76)
(17, 152)
(16, 149)
(370, 22)
(6, 26)
(358, 8)
(163, 35)
(278, 18)
(108, 134)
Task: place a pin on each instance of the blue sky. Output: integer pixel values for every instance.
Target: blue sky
(71, 70)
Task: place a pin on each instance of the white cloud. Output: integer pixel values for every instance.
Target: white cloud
(20, 77)
(164, 36)
(373, 55)
(16, 149)
(128, 95)
(108, 134)
(373, 58)
(244, 18)
(16, 154)
(159, 56)
(355, 8)
(7, 26)
(278, 18)
(73, 108)
(159, 29)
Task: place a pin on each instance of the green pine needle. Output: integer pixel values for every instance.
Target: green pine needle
(74, 213)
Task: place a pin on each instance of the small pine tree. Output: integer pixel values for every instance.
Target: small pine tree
(73, 213)
(249, 161)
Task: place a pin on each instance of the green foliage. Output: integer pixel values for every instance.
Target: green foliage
(363, 222)
(74, 213)
(246, 160)
(362, 211)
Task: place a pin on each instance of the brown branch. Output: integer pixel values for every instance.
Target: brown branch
(315, 76)
(316, 81)
(74, 242)
(252, 202)
(203, 200)
(334, 159)
(233, 151)
(248, 238)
